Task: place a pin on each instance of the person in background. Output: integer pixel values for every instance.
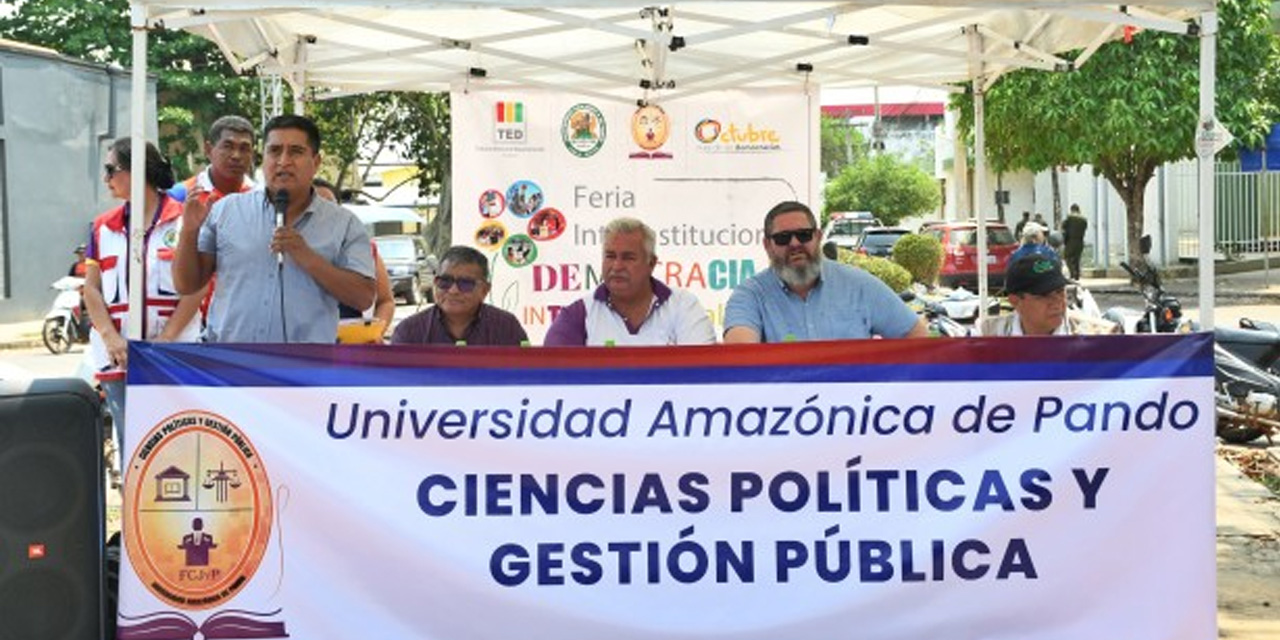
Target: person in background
(384, 303)
(167, 316)
(631, 307)
(1037, 289)
(280, 276)
(1073, 228)
(229, 149)
(1033, 242)
(78, 267)
(802, 296)
(1017, 229)
(460, 314)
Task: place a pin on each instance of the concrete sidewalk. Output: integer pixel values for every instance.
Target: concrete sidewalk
(21, 335)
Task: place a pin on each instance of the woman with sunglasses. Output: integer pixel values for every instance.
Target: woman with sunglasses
(460, 315)
(167, 316)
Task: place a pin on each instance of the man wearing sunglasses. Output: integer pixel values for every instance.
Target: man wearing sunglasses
(460, 314)
(631, 307)
(801, 296)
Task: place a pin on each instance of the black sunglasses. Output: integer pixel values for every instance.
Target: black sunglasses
(111, 169)
(465, 285)
(783, 238)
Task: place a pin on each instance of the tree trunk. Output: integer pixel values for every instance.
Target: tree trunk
(1057, 197)
(1132, 188)
(440, 229)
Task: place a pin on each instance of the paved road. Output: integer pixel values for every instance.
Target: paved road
(39, 363)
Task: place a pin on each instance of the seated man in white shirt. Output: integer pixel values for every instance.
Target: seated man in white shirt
(631, 307)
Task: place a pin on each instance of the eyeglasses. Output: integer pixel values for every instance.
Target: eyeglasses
(783, 238)
(465, 285)
(111, 170)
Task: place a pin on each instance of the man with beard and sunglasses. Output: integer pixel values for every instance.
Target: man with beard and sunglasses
(460, 314)
(802, 296)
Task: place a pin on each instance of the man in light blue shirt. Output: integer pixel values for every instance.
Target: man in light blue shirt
(276, 283)
(801, 296)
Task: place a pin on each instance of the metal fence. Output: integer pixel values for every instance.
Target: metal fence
(1246, 213)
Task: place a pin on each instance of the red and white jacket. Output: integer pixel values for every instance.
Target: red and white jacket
(109, 248)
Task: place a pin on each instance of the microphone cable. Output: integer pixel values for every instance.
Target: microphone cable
(280, 201)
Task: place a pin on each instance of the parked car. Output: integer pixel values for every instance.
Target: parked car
(844, 227)
(410, 267)
(960, 252)
(879, 241)
(387, 221)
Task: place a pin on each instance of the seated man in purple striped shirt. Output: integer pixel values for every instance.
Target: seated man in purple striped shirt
(460, 314)
(631, 307)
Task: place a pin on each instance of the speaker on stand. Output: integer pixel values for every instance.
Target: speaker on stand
(51, 511)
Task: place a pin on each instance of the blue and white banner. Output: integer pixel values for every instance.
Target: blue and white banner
(1038, 489)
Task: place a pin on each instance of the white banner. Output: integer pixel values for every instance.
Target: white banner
(537, 175)
(1030, 489)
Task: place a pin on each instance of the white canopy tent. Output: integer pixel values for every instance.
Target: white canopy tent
(628, 51)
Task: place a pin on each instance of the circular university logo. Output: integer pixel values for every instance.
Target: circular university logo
(197, 510)
(583, 130)
(707, 131)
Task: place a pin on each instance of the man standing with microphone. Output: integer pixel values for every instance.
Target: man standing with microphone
(284, 258)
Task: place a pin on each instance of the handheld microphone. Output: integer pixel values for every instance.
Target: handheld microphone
(281, 202)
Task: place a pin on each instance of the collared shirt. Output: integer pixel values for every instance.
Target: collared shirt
(248, 301)
(1074, 323)
(491, 327)
(845, 303)
(675, 317)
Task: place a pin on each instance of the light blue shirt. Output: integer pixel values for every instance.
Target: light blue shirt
(247, 293)
(846, 303)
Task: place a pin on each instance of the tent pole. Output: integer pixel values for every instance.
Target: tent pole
(978, 82)
(1208, 118)
(137, 168)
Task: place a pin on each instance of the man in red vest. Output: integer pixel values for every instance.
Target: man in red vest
(229, 149)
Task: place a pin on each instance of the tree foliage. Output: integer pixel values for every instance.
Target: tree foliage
(414, 125)
(842, 144)
(195, 84)
(884, 185)
(1133, 106)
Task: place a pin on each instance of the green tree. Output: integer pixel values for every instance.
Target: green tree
(356, 129)
(884, 185)
(1134, 106)
(195, 84)
(842, 144)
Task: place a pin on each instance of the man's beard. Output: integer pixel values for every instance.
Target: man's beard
(798, 276)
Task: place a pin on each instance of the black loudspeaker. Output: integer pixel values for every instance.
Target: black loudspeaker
(51, 511)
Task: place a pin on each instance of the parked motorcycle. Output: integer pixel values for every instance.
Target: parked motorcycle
(1246, 398)
(1255, 341)
(1162, 312)
(67, 323)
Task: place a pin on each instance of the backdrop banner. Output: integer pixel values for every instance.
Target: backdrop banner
(1034, 488)
(538, 174)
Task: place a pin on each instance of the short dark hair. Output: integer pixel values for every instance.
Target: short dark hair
(229, 123)
(159, 173)
(462, 254)
(293, 121)
(787, 206)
